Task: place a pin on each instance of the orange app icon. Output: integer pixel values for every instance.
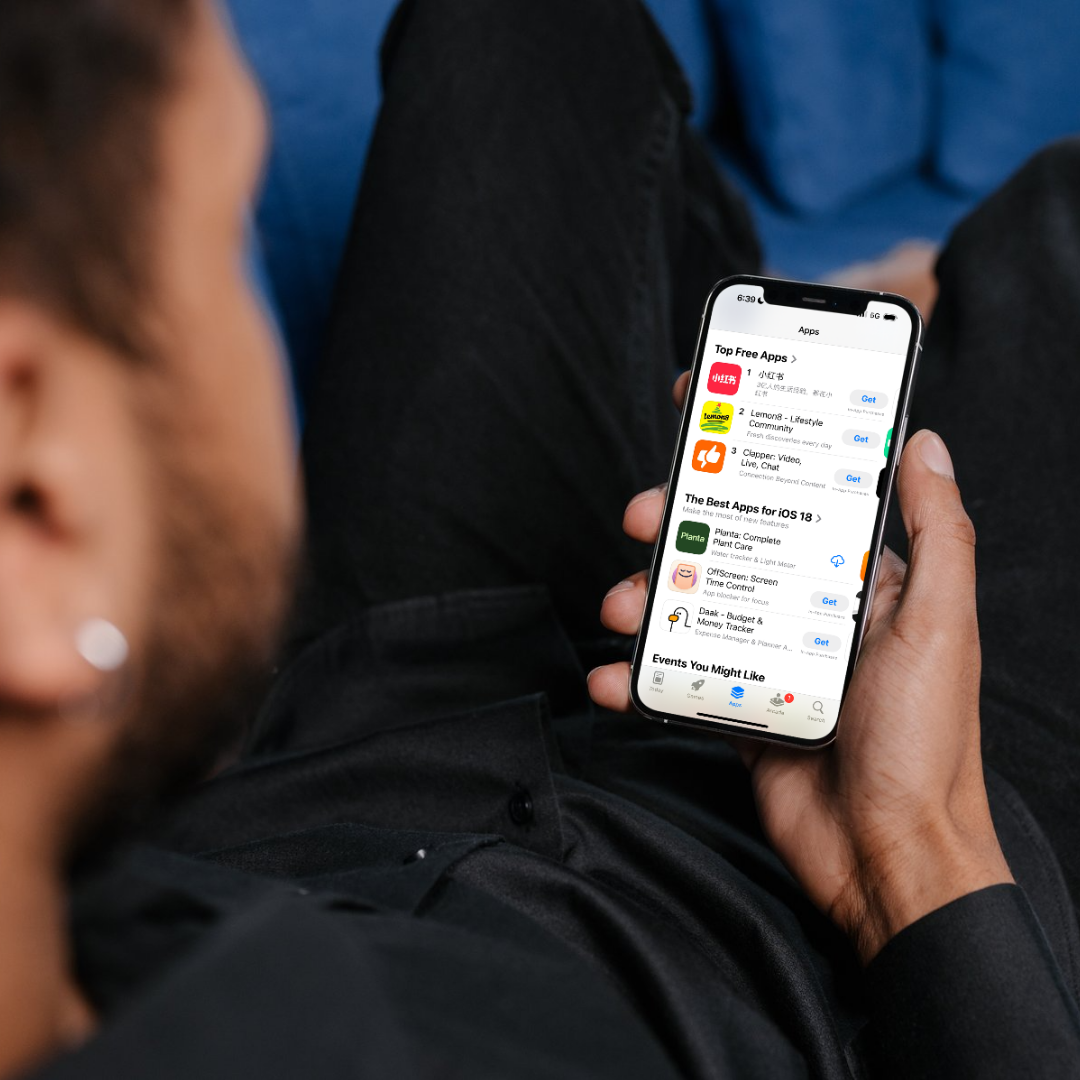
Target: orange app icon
(709, 456)
(862, 572)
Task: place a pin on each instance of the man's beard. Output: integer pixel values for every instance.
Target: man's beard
(223, 589)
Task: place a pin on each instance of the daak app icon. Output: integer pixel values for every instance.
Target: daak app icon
(724, 378)
(716, 417)
(684, 577)
(677, 618)
(692, 536)
(709, 456)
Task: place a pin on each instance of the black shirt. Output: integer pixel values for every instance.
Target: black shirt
(425, 866)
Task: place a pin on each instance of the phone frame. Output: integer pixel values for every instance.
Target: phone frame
(787, 293)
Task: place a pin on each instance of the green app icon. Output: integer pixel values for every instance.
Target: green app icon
(693, 537)
(888, 442)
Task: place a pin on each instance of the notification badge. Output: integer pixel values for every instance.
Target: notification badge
(709, 456)
(724, 378)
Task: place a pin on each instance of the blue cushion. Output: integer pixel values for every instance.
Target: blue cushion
(910, 207)
(685, 24)
(1010, 83)
(835, 94)
(318, 67)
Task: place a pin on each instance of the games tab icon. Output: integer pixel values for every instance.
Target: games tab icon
(716, 417)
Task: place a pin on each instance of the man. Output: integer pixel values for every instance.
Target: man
(434, 856)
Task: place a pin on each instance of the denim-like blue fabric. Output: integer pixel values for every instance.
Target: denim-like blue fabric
(1009, 84)
(835, 95)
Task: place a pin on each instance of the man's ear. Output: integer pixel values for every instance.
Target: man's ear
(73, 543)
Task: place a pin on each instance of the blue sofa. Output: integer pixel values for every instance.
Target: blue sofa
(851, 124)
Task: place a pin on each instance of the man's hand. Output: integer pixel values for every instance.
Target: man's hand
(891, 821)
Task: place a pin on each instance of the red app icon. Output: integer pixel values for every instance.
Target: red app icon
(724, 378)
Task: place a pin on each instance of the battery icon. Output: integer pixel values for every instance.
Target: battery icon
(890, 318)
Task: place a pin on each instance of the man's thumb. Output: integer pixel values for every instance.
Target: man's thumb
(941, 539)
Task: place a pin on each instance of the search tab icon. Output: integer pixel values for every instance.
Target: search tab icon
(817, 706)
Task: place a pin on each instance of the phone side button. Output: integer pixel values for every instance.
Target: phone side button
(903, 433)
(898, 442)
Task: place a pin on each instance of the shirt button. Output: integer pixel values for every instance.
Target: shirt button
(521, 807)
(416, 856)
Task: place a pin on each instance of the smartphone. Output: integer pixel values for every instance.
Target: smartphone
(765, 566)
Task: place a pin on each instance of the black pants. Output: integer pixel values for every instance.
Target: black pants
(535, 235)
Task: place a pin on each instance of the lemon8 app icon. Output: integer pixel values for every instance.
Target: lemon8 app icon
(684, 577)
(716, 417)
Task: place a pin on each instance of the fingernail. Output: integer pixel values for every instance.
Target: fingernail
(933, 451)
(621, 587)
(659, 489)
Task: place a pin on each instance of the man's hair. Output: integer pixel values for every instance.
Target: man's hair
(82, 84)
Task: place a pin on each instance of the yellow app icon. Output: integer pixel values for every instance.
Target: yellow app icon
(716, 417)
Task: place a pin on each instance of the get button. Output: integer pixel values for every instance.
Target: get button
(830, 601)
(854, 478)
(824, 642)
(869, 399)
(861, 438)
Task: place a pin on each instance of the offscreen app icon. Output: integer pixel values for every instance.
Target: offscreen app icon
(709, 456)
(724, 378)
(716, 417)
(684, 577)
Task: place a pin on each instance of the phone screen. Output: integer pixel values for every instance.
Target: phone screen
(775, 508)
